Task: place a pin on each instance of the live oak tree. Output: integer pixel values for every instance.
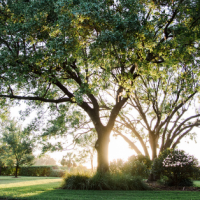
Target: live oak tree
(167, 107)
(18, 146)
(63, 52)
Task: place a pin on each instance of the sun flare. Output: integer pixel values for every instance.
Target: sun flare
(119, 149)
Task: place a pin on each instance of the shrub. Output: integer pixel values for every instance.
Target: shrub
(52, 171)
(35, 171)
(116, 181)
(107, 181)
(76, 180)
(157, 166)
(177, 166)
(138, 166)
(196, 173)
(117, 166)
(8, 171)
(57, 173)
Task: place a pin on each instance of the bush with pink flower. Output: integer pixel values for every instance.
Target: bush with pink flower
(178, 167)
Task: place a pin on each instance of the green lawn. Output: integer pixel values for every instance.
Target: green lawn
(197, 183)
(41, 188)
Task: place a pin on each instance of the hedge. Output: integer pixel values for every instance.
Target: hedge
(52, 171)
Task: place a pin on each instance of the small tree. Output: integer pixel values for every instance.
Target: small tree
(19, 145)
(68, 160)
(86, 143)
(44, 160)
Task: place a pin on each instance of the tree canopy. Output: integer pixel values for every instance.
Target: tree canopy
(65, 52)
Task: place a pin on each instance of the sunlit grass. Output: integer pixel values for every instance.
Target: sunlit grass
(27, 186)
(41, 188)
(197, 183)
(10, 182)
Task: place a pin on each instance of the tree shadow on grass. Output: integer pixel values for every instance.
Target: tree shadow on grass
(60, 194)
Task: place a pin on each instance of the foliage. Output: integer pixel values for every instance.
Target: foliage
(4, 115)
(117, 166)
(138, 166)
(177, 166)
(196, 173)
(8, 170)
(142, 159)
(135, 166)
(108, 181)
(18, 145)
(2, 158)
(76, 182)
(117, 181)
(65, 53)
(157, 166)
(44, 160)
(86, 144)
(35, 171)
(69, 160)
(56, 173)
(47, 171)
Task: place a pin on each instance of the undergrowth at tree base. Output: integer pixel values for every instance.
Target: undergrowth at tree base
(180, 182)
(107, 181)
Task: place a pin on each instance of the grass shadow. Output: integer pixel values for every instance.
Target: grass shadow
(48, 191)
(60, 194)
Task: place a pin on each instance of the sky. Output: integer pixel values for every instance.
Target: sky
(119, 149)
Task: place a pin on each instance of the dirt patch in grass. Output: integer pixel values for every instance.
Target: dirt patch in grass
(156, 186)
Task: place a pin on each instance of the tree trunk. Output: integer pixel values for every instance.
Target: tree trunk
(91, 160)
(16, 169)
(101, 146)
(153, 139)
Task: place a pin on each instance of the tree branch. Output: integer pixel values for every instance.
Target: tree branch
(132, 145)
(175, 110)
(178, 140)
(37, 99)
(182, 123)
(132, 128)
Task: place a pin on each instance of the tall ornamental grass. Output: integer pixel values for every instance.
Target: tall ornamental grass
(107, 181)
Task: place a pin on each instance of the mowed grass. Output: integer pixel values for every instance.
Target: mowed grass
(41, 188)
(197, 183)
